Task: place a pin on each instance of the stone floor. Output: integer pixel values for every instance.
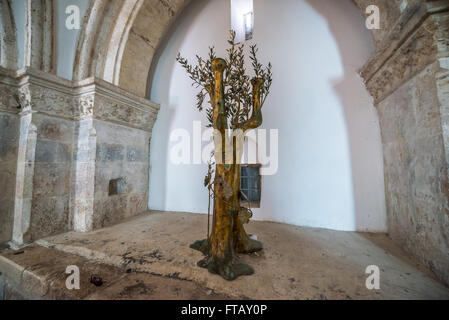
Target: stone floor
(148, 257)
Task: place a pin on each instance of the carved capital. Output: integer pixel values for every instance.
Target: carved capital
(25, 102)
(9, 100)
(83, 106)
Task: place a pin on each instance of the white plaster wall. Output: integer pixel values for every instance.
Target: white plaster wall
(67, 39)
(18, 9)
(330, 156)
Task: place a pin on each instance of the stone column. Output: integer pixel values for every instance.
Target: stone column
(25, 169)
(9, 140)
(83, 166)
(442, 81)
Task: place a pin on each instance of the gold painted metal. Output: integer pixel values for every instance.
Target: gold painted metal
(233, 105)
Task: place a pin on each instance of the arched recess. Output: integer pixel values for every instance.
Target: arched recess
(336, 76)
(407, 76)
(8, 39)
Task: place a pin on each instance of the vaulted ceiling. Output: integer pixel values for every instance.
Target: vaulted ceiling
(118, 39)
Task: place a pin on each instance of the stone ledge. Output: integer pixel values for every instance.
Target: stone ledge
(42, 274)
(11, 270)
(43, 277)
(46, 93)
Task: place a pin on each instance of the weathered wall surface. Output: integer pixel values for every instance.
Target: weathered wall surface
(61, 143)
(51, 182)
(409, 80)
(9, 150)
(9, 127)
(417, 188)
(121, 153)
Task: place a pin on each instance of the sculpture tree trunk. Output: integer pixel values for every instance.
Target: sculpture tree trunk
(228, 235)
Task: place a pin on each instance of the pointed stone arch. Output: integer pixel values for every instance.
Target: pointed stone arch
(103, 38)
(116, 34)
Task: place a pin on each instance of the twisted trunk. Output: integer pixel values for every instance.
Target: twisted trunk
(228, 235)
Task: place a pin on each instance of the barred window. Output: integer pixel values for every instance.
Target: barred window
(250, 186)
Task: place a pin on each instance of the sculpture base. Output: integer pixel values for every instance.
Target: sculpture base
(229, 270)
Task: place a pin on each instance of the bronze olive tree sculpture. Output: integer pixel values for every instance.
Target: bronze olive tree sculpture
(235, 107)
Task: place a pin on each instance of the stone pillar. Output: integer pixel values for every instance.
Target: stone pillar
(25, 169)
(83, 166)
(9, 141)
(442, 79)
